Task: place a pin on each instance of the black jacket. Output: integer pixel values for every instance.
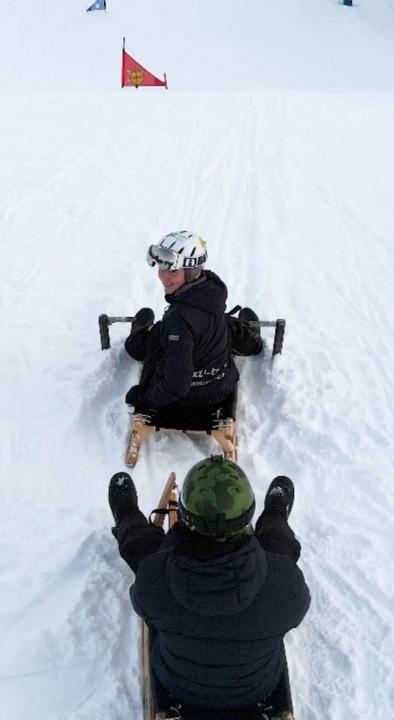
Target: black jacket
(196, 364)
(218, 624)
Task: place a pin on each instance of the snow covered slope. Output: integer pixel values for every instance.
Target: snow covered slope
(210, 45)
(286, 167)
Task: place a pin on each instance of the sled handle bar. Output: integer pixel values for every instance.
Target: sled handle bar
(105, 321)
(168, 505)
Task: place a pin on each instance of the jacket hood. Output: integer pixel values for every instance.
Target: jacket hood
(208, 293)
(221, 586)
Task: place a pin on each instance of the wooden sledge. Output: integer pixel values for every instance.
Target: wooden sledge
(218, 422)
(159, 704)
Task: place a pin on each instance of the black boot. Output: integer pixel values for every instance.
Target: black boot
(246, 314)
(144, 318)
(280, 497)
(272, 529)
(122, 496)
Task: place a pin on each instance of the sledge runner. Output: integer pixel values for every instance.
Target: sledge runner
(217, 597)
(188, 355)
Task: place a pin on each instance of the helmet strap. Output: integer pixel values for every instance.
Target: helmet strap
(193, 274)
(219, 528)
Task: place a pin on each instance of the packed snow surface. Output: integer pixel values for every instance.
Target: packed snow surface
(275, 143)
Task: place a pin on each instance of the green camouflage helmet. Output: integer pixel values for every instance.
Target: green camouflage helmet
(217, 499)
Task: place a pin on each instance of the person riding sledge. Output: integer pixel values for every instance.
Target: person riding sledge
(188, 355)
(217, 596)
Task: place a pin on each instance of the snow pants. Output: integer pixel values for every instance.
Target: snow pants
(138, 538)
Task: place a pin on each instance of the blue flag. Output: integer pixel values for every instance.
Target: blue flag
(98, 5)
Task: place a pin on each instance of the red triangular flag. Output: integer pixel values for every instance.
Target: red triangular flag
(135, 75)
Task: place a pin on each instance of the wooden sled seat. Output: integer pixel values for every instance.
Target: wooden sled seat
(216, 420)
(199, 418)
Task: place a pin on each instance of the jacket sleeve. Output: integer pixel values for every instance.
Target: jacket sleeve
(302, 599)
(287, 595)
(147, 587)
(296, 597)
(178, 365)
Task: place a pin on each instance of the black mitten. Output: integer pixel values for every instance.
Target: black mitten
(134, 395)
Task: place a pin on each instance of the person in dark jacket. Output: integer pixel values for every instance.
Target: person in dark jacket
(217, 596)
(188, 355)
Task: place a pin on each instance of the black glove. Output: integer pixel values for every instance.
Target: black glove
(134, 396)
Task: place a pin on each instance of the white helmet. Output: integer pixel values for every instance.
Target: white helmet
(182, 249)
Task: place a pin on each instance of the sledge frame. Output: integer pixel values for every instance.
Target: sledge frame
(159, 705)
(225, 435)
(220, 424)
(169, 504)
(105, 321)
(222, 430)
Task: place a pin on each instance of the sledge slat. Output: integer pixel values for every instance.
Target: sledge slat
(168, 498)
(149, 713)
(168, 501)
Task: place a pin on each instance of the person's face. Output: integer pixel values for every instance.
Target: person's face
(172, 279)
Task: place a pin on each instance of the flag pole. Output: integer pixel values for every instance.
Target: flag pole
(123, 52)
(165, 81)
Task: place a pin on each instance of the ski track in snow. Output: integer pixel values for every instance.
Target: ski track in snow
(292, 191)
